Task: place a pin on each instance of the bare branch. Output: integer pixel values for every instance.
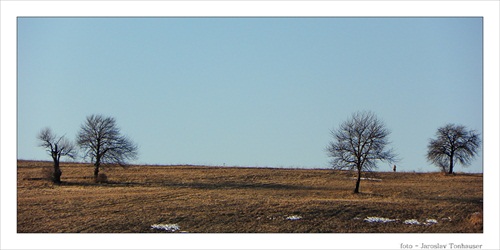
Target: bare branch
(359, 143)
(56, 147)
(100, 139)
(454, 143)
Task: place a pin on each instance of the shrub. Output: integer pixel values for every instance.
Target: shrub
(102, 178)
(476, 219)
(47, 173)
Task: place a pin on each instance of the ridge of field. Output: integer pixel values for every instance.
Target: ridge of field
(205, 199)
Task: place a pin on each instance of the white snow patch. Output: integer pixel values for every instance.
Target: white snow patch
(429, 222)
(166, 227)
(294, 217)
(446, 219)
(411, 222)
(378, 219)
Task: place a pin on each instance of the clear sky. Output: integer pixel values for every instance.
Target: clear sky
(250, 91)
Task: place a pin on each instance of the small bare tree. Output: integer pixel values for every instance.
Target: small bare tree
(359, 143)
(56, 147)
(100, 139)
(453, 143)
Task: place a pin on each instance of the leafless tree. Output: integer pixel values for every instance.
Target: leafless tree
(359, 143)
(453, 143)
(101, 141)
(56, 147)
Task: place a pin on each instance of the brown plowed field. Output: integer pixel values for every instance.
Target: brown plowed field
(201, 199)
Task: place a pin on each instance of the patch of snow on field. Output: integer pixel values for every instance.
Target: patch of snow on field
(446, 219)
(294, 217)
(378, 219)
(429, 222)
(166, 227)
(411, 222)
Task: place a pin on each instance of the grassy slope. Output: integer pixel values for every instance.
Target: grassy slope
(227, 200)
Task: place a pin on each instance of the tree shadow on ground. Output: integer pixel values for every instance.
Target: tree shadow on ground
(196, 185)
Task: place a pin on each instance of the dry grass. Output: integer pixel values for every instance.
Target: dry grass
(237, 200)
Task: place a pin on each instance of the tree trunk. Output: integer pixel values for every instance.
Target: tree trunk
(96, 169)
(56, 177)
(356, 190)
(451, 164)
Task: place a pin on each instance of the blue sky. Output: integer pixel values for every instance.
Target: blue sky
(249, 91)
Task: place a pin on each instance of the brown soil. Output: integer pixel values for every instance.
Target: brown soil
(202, 199)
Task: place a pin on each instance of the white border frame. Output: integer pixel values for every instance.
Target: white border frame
(10, 10)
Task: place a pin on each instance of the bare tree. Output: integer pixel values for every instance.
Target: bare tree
(56, 147)
(453, 143)
(359, 143)
(100, 139)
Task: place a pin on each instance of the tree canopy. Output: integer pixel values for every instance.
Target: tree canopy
(453, 143)
(56, 147)
(359, 143)
(102, 142)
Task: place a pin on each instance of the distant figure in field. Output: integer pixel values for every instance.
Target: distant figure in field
(394, 168)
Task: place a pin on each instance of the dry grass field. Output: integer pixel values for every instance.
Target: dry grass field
(245, 200)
